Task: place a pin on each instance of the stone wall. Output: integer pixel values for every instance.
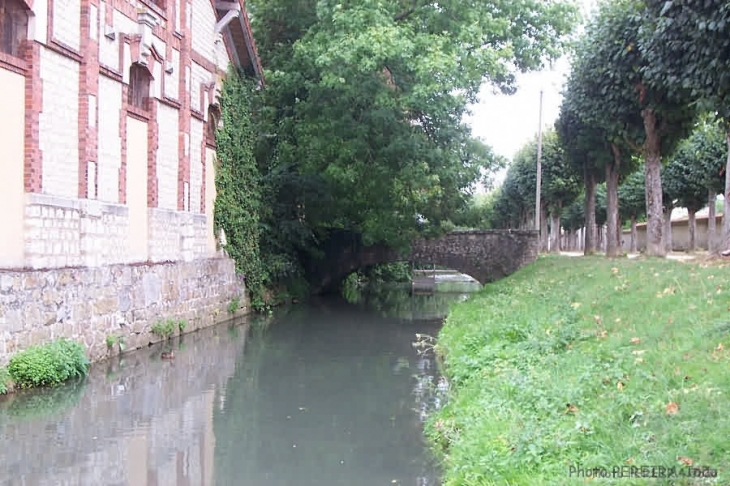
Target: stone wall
(485, 255)
(89, 304)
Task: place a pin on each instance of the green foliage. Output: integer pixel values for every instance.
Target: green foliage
(181, 325)
(361, 120)
(234, 305)
(4, 380)
(238, 195)
(514, 204)
(577, 361)
(632, 195)
(114, 340)
(165, 328)
(49, 364)
(688, 49)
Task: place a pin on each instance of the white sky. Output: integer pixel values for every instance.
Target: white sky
(507, 122)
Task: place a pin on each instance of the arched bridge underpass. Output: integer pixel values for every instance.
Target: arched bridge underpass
(486, 255)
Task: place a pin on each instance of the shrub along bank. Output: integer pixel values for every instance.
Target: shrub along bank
(573, 364)
(45, 365)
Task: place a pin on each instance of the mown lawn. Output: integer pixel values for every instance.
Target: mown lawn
(583, 363)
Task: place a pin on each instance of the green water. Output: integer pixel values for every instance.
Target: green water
(327, 393)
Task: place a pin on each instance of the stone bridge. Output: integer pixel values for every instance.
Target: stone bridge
(486, 255)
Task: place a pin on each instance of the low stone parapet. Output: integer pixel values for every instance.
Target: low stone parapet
(88, 304)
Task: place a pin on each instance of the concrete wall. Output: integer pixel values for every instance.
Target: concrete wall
(89, 304)
(680, 234)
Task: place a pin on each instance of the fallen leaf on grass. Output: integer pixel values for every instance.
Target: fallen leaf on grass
(672, 408)
(620, 385)
(571, 409)
(629, 460)
(719, 347)
(635, 340)
(685, 460)
(575, 305)
(614, 270)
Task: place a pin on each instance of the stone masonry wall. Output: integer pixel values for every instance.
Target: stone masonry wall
(88, 304)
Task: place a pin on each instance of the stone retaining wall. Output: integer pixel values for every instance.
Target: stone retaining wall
(89, 304)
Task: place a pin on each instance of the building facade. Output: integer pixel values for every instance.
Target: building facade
(109, 162)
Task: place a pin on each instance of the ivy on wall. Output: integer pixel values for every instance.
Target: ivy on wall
(237, 180)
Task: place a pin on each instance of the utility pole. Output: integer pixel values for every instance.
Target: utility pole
(539, 169)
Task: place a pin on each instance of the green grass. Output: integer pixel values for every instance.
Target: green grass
(581, 362)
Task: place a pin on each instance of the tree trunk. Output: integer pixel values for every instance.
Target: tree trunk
(712, 223)
(634, 236)
(612, 174)
(653, 178)
(692, 229)
(544, 229)
(555, 230)
(589, 245)
(667, 231)
(726, 206)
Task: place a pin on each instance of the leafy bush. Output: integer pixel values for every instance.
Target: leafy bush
(164, 329)
(234, 305)
(4, 378)
(49, 364)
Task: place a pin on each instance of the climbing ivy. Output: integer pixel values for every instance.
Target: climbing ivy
(237, 180)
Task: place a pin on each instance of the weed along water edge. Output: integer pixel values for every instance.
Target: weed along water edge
(327, 393)
(578, 369)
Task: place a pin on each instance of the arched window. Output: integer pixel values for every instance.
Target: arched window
(139, 86)
(214, 116)
(13, 26)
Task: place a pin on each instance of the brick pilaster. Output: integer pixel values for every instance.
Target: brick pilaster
(89, 96)
(152, 145)
(33, 108)
(184, 111)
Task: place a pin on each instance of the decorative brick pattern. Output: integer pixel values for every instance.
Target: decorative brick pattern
(66, 15)
(203, 28)
(167, 157)
(110, 139)
(197, 154)
(58, 124)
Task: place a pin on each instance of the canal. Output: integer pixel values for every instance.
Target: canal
(328, 393)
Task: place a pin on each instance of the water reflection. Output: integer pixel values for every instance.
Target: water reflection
(330, 394)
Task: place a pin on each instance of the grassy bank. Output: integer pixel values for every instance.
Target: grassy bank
(589, 363)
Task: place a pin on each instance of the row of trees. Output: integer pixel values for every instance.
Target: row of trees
(649, 91)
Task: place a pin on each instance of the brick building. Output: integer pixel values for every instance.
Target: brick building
(108, 149)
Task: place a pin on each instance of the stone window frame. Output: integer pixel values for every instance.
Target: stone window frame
(13, 27)
(140, 83)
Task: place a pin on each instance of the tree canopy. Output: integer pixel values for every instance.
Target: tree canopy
(365, 99)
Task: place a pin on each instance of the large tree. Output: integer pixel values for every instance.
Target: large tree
(687, 45)
(364, 102)
(615, 95)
